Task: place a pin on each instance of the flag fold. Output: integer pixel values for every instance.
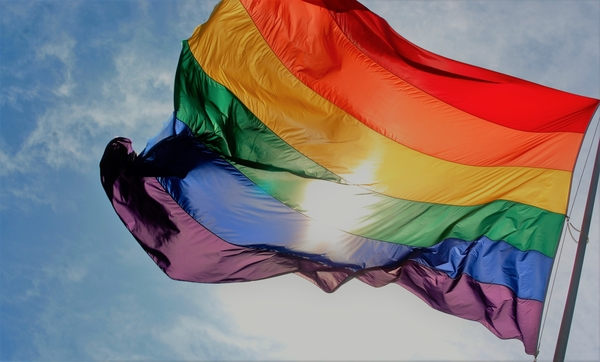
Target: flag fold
(308, 137)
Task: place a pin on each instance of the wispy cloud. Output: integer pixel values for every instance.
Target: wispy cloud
(78, 309)
(357, 322)
(553, 43)
(132, 96)
(61, 47)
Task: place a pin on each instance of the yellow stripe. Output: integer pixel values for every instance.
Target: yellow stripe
(231, 51)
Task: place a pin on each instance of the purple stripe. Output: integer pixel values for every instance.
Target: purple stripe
(233, 207)
(185, 250)
(195, 254)
(494, 306)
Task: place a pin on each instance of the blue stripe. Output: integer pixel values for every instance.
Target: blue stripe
(227, 203)
(488, 261)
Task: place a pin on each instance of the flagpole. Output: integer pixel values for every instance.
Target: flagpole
(565, 327)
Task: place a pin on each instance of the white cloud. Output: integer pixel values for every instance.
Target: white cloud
(357, 322)
(131, 100)
(7, 163)
(127, 103)
(193, 338)
(12, 96)
(61, 47)
(552, 43)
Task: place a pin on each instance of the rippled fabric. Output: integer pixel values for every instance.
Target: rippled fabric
(308, 137)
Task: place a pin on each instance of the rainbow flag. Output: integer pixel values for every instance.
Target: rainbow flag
(308, 137)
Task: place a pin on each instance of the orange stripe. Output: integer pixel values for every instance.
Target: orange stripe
(391, 106)
(232, 52)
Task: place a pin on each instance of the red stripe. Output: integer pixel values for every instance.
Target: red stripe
(496, 97)
(334, 68)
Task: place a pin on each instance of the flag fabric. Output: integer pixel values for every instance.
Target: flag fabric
(308, 137)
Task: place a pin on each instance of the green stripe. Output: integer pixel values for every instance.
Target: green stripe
(414, 223)
(224, 124)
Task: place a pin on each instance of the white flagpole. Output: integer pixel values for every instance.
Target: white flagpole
(565, 327)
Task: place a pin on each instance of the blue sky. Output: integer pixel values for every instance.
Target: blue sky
(74, 285)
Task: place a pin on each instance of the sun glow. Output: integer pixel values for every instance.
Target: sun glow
(341, 206)
(338, 210)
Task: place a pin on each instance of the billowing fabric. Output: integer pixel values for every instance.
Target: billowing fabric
(308, 137)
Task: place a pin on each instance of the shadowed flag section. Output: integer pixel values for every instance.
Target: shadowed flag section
(308, 137)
